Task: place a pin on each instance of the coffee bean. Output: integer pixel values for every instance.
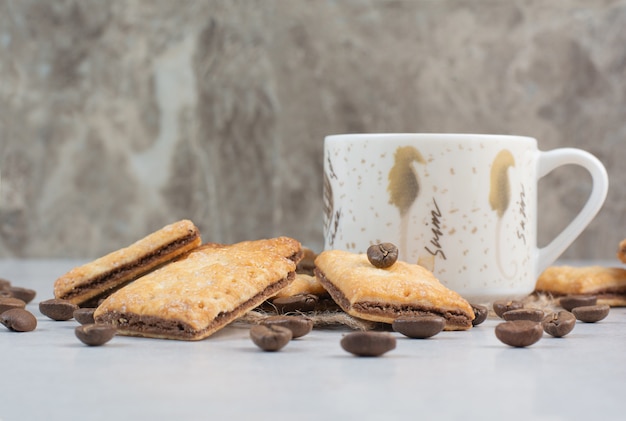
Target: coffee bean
(480, 314)
(270, 338)
(559, 324)
(382, 255)
(419, 327)
(519, 333)
(4, 284)
(5, 293)
(95, 334)
(299, 302)
(25, 294)
(591, 314)
(570, 302)
(8, 303)
(298, 325)
(532, 314)
(18, 320)
(368, 344)
(502, 306)
(84, 316)
(57, 309)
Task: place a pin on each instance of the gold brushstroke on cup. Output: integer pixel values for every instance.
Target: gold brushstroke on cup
(499, 198)
(403, 188)
(500, 187)
(403, 185)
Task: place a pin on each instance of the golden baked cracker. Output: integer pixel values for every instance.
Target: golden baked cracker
(607, 283)
(382, 295)
(200, 293)
(303, 284)
(107, 273)
(621, 252)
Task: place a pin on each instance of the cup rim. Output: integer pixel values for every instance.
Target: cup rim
(459, 137)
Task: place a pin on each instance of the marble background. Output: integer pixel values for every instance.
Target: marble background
(118, 117)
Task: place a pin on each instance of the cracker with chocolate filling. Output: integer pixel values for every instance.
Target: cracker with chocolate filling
(606, 283)
(203, 291)
(86, 284)
(382, 295)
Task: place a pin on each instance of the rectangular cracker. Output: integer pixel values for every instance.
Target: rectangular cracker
(200, 293)
(382, 295)
(606, 283)
(102, 276)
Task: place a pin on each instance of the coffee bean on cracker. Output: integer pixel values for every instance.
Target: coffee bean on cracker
(270, 338)
(591, 314)
(559, 324)
(8, 303)
(18, 320)
(502, 306)
(480, 314)
(368, 344)
(382, 255)
(57, 309)
(419, 327)
(519, 333)
(95, 334)
(532, 314)
(298, 325)
(84, 316)
(570, 302)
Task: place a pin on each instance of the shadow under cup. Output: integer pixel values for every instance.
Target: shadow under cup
(463, 206)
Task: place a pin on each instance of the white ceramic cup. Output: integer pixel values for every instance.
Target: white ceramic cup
(462, 205)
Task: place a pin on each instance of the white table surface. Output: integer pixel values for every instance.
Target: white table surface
(48, 374)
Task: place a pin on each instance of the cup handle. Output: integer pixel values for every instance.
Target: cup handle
(549, 161)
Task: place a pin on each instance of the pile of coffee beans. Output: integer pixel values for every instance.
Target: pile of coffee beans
(274, 332)
(15, 317)
(88, 332)
(525, 326)
(13, 313)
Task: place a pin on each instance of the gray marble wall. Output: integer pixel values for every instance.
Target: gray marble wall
(118, 117)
